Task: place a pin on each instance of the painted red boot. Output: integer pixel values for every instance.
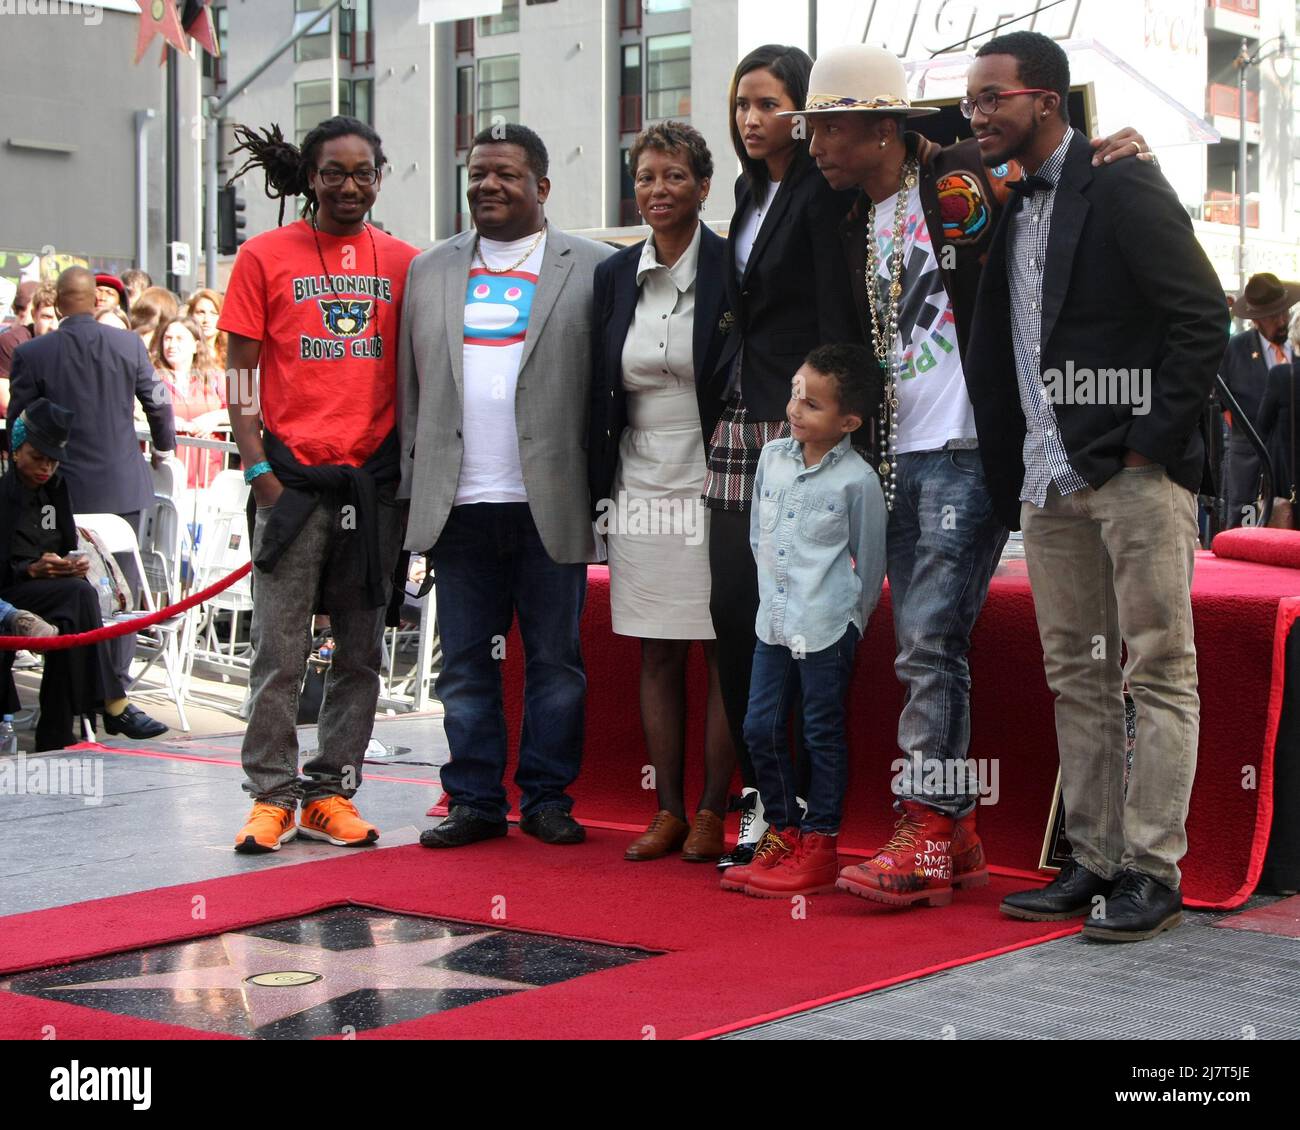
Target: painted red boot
(915, 866)
(772, 848)
(969, 867)
(811, 869)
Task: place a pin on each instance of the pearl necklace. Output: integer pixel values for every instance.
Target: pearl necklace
(884, 326)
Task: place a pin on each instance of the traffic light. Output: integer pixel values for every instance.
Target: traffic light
(231, 220)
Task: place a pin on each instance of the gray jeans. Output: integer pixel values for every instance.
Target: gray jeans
(283, 603)
(1109, 565)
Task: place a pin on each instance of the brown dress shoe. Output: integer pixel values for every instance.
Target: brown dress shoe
(666, 833)
(704, 844)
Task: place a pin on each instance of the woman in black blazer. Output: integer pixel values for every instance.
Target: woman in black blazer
(789, 292)
(659, 305)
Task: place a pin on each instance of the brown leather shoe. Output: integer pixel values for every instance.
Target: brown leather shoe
(704, 844)
(666, 833)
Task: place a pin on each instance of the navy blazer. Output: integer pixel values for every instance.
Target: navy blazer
(1245, 369)
(98, 372)
(616, 294)
(1126, 285)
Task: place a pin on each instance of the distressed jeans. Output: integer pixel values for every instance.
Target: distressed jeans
(944, 542)
(284, 601)
(1107, 566)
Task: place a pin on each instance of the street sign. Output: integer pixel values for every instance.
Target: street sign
(181, 259)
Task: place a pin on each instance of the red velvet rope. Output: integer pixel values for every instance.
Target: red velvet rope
(123, 627)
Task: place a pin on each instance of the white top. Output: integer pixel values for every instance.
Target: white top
(497, 308)
(658, 347)
(747, 234)
(933, 405)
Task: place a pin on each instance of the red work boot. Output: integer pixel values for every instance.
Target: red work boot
(969, 867)
(915, 866)
(811, 869)
(772, 848)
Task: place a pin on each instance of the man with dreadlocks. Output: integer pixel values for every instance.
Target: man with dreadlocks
(314, 306)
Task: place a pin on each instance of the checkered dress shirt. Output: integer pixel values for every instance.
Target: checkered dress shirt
(1045, 459)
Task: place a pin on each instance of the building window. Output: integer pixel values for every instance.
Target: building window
(355, 42)
(215, 68)
(464, 108)
(629, 15)
(316, 43)
(507, 21)
(629, 100)
(668, 77)
(655, 7)
(311, 103)
(498, 90)
(628, 216)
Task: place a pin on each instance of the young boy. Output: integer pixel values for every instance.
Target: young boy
(817, 529)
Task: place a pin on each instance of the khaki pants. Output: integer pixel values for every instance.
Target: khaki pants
(1106, 565)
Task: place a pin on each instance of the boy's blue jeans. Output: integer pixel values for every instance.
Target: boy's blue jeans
(779, 676)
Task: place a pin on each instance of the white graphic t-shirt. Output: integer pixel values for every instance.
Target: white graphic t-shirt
(933, 406)
(497, 308)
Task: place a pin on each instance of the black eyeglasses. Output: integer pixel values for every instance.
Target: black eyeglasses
(988, 100)
(334, 178)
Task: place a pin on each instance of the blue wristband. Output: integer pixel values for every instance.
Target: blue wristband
(262, 468)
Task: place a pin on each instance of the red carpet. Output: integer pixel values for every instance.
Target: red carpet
(1236, 609)
(729, 958)
(1279, 918)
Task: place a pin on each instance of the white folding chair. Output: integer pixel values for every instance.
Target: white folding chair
(223, 546)
(162, 640)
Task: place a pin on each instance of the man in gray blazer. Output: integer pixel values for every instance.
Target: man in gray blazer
(494, 370)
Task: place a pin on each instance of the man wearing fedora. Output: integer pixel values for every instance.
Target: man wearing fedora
(1102, 274)
(920, 229)
(1266, 303)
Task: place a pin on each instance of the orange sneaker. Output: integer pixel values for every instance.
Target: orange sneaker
(268, 826)
(334, 819)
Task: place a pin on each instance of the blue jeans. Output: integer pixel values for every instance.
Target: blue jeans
(777, 680)
(944, 542)
(489, 564)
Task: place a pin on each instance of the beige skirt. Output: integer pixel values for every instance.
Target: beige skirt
(657, 527)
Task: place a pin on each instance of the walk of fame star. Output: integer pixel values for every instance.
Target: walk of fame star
(319, 975)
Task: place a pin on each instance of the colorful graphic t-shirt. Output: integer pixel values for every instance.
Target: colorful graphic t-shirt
(328, 365)
(497, 308)
(933, 406)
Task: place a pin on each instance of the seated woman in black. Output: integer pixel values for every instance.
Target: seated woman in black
(37, 533)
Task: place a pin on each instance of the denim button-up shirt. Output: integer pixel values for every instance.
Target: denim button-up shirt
(818, 535)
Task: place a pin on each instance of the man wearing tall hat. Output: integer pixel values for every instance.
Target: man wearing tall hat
(920, 230)
(1266, 303)
(40, 572)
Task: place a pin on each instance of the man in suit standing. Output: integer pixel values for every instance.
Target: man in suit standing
(1089, 398)
(1266, 303)
(99, 372)
(494, 374)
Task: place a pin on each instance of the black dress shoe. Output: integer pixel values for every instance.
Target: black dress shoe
(462, 827)
(553, 826)
(1139, 908)
(134, 723)
(1069, 895)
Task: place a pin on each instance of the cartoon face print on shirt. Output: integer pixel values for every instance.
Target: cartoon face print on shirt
(497, 307)
(346, 317)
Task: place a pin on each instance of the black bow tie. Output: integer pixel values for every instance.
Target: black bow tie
(1027, 186)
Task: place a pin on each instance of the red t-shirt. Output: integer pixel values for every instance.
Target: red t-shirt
(329, 353)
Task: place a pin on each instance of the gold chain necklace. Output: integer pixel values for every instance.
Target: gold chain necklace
(478, 250)
(884, 326)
